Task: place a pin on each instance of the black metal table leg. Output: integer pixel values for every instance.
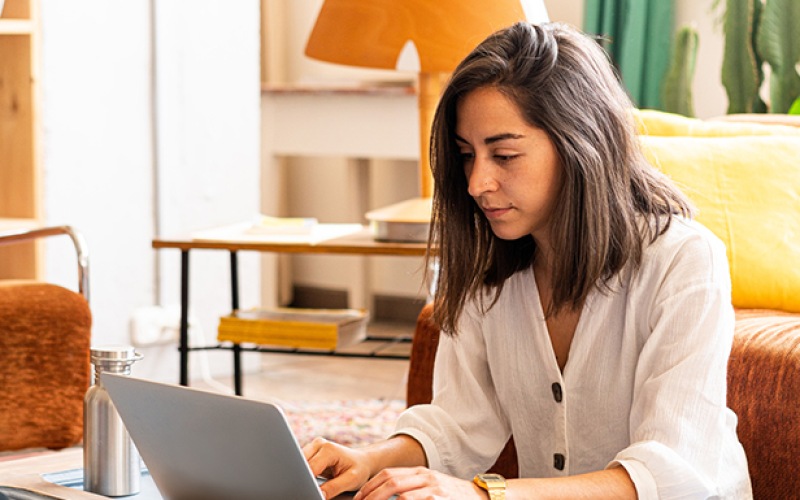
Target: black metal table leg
(237, 349)
(184, 327)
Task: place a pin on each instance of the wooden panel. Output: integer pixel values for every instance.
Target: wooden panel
(18, 261)
(17, 9)
(17, 169)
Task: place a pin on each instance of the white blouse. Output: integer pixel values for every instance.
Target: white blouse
(644, 386)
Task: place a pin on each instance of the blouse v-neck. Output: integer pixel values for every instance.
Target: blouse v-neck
(539, 311)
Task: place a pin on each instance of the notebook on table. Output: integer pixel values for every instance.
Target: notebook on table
(201, 445)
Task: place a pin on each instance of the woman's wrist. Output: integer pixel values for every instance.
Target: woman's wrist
(397, 451)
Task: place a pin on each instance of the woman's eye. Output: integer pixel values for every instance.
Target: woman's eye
(505, 158)
(466, 155)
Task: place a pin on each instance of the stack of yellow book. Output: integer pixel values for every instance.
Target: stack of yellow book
(294, 327)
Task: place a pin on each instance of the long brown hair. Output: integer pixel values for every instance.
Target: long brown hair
(563, 83)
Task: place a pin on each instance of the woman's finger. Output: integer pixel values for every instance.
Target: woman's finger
(394, 481)
(348, 480)
(344, 467)
(311, 448)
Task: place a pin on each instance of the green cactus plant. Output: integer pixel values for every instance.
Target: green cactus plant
(742, 72)
(778, 41)
(676, 92)
(759, 32)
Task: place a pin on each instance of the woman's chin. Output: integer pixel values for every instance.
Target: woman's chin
(507, 233)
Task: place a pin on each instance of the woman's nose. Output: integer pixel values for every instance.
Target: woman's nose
(480, 178)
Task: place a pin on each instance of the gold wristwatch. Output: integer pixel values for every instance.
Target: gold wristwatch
(494, 484)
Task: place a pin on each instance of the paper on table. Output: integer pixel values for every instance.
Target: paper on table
(240, 232)
(265, 224)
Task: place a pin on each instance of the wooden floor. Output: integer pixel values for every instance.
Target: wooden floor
(324, 378)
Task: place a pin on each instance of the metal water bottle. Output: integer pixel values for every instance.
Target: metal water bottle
(111, 464)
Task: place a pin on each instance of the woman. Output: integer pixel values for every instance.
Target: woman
(584, 312)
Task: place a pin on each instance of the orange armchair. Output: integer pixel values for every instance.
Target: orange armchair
(45, 333)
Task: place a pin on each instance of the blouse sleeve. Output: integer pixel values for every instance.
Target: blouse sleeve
(464, 429)
(682, 434)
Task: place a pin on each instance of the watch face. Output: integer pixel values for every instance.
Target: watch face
(490, 481)
(492, 477)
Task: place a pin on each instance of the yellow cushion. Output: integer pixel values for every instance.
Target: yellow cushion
(659, 123)
(747, 191)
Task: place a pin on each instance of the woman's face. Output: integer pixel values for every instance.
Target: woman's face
(512, 168)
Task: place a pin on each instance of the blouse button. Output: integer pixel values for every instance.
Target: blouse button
(558, 461)
(557, 393)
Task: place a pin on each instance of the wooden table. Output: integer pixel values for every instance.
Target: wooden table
(358, 240)
(26, 473)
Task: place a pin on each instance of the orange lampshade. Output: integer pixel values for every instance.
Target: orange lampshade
(372, 33)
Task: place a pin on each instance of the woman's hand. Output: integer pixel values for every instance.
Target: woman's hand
(346, 468)
(418, 482)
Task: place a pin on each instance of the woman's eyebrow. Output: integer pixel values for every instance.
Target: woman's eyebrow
(502, 137)
(493, 138)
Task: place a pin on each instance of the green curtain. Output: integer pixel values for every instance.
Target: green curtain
(637, 34)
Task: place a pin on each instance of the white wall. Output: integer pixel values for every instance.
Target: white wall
(97, 151)
(138, 144)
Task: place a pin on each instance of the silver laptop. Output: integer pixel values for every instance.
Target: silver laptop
(200, 445)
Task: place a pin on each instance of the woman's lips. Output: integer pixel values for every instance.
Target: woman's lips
(495, 213)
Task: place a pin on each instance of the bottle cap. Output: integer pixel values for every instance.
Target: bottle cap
(119, 353)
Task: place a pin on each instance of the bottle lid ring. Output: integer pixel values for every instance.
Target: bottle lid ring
(118, 353)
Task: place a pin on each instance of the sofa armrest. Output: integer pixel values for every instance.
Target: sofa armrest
(764, 391)
(45, 333)
(419, 389)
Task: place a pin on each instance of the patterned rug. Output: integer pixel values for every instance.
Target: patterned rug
(349, 422)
